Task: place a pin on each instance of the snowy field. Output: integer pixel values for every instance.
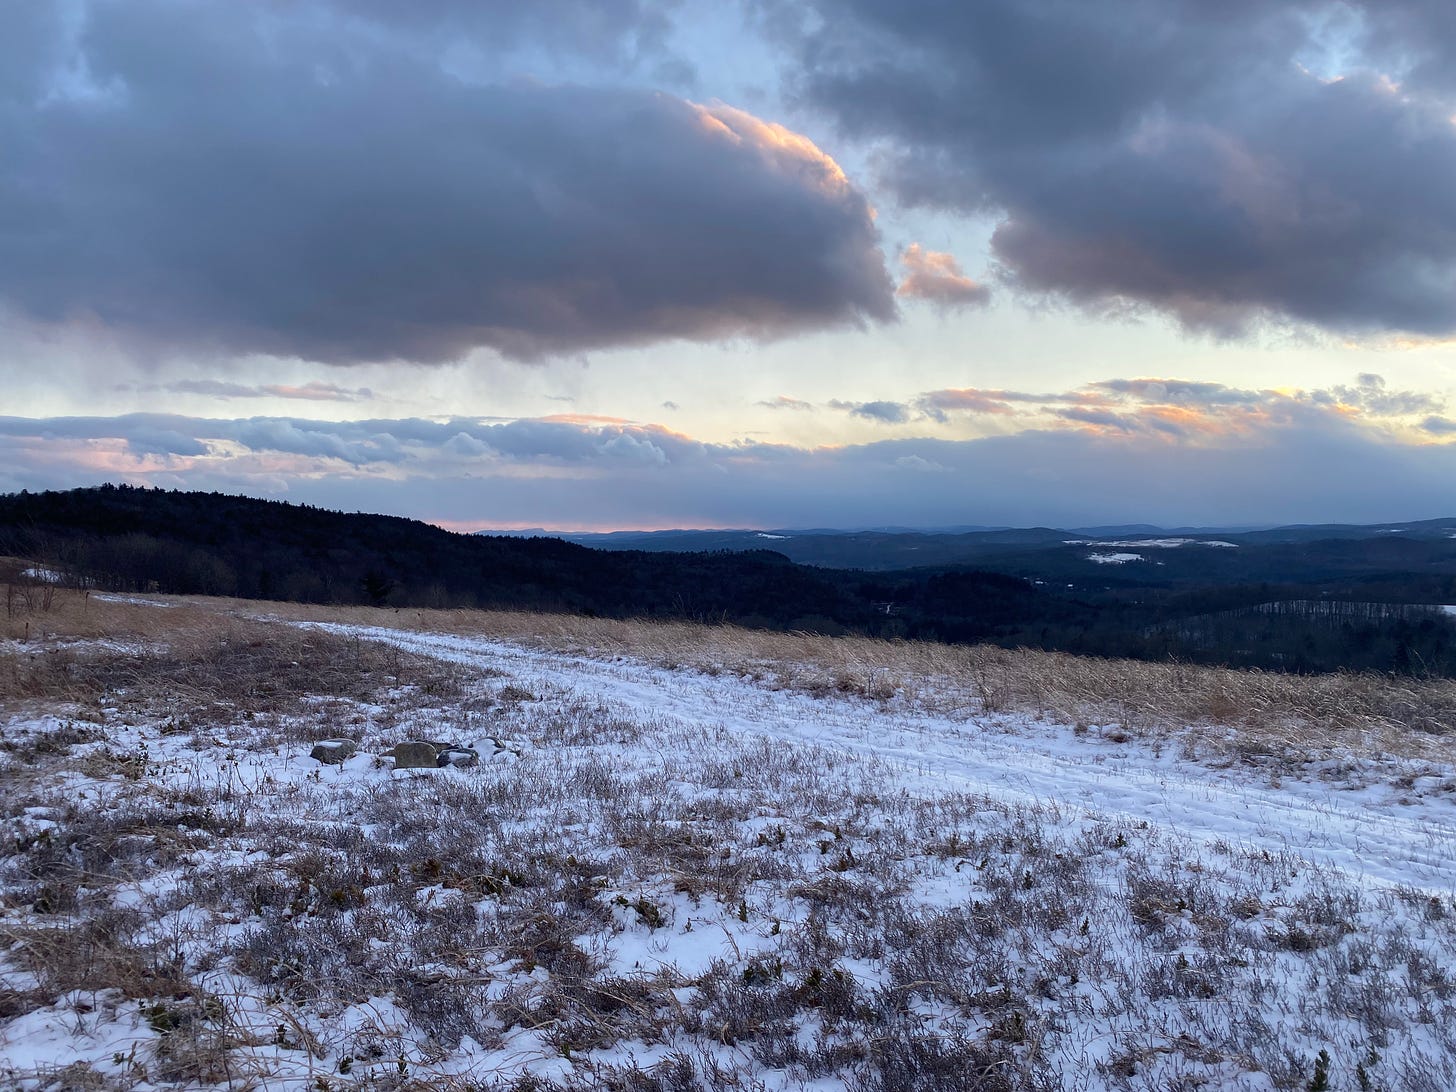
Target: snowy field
(669, 878)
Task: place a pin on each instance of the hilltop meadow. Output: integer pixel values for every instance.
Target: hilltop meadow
(687, 856)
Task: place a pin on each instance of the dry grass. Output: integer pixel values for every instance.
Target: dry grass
(243, 923)
(190, 660)
(1239, 709)
(1308, 713)
(81, 615)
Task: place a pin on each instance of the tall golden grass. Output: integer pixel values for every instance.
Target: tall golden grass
(1259, 709)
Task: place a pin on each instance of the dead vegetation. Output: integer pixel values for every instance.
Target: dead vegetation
(195, 663)
(163, 874)
(211, 652)
(1309, 713)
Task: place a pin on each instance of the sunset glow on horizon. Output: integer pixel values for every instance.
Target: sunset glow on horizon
(818, 263)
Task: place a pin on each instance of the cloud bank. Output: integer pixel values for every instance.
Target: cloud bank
(1123, 450)
(355, 183)
(1224, 163)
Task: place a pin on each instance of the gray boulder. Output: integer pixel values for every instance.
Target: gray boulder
(331, 752)
(415, 755)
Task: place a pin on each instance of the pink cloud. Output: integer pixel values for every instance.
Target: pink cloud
(937, 278)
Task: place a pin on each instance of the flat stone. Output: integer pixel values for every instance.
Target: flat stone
(459, 756)
(331, 752)
(415, 755)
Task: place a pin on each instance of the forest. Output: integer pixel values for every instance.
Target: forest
(125, 539)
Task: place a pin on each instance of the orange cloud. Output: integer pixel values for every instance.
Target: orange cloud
(783, 145)
(937, 278)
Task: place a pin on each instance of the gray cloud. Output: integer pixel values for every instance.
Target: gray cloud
(145, 440)
(313, 439)
(783, 401)
(1188, 156)
(1177, 407)
(1100, 417)
(1370, 394)
(939, 405)
(563, 473)
(298, 181)
(885, 413)
(1181, 392)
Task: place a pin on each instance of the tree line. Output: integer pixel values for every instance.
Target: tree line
(128, 539)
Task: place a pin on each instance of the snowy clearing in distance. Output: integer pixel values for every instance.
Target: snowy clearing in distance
(1151, 543)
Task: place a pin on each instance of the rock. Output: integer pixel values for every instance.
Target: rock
(459, 756)
(415, 755)
(331, 752)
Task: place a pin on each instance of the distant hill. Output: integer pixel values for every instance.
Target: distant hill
(1167, 555)
(1298, 598)
(870, 550)
(128, 539)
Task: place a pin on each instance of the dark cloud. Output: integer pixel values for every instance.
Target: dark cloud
(294, 181)
(937, 278)
(1199, 158)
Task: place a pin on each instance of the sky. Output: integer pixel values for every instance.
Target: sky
(612, 264)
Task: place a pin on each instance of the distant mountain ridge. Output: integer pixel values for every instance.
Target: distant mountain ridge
(886, 550)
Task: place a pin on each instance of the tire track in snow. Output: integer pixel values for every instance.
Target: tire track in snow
(1016, 760)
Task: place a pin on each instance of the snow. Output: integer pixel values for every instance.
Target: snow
(1370, 835)
(1114, 558)
(765, 534)
(663, 731)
